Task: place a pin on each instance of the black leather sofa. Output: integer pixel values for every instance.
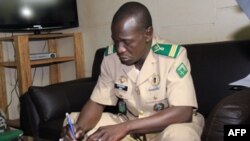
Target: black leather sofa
(214, 65)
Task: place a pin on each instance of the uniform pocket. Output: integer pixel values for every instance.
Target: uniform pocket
(154, 98)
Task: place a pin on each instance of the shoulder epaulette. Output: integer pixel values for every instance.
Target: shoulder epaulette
(109, 50)
(170, 50)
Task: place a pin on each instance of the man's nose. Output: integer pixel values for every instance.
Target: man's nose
(120, 48)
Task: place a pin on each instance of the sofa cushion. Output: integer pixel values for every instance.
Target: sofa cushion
(232, 110)
(53, 101)
(51, 129)
(49, 103)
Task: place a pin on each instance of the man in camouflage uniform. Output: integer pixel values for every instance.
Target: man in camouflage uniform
(151, 81)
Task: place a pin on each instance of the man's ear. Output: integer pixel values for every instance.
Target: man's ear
(149, 34)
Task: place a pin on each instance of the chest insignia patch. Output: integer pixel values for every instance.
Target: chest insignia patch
(155, 80)
(181, 70)
(158, 107)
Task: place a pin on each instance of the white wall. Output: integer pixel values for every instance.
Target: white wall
(180, 21)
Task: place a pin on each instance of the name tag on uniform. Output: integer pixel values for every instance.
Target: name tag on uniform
(153, 88)
(121, 87)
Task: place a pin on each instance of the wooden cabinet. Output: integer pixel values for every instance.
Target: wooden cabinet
(23, 64)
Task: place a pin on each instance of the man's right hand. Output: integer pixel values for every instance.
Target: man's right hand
(79, 134)
(89, 121)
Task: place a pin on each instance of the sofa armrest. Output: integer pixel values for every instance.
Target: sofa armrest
(231, 110)
(42, 104)
(29, 118)
(53, 101)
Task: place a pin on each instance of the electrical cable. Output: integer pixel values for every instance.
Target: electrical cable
(16, 80)
(34, 73)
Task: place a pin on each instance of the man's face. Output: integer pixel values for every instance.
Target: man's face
(130, 41)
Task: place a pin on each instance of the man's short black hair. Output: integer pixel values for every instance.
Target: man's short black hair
(134, 9)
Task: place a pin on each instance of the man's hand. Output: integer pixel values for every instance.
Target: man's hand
(79, 134)
(109, 133)
(85, 122)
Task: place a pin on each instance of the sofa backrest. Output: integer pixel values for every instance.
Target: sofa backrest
(214, 66)
(53, 101)
(96, 67)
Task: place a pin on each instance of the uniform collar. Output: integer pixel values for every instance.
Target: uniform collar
(147, 69)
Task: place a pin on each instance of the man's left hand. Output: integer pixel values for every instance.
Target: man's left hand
(109, 133)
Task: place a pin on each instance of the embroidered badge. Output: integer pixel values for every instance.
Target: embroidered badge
(181, 70)
(109, 50)
(170, 50)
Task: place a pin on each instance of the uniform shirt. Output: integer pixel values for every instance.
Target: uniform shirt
(163, 81)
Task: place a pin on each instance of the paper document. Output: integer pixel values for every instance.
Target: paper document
(242, 82)
(245, 6)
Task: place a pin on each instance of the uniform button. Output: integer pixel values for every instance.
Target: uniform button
(137, 90)
(138, 93)
(141, 112)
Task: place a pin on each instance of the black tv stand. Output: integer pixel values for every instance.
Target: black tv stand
(38, 32)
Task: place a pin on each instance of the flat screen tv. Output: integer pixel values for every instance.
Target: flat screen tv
(37, 15)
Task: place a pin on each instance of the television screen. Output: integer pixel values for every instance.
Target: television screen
(37, 15)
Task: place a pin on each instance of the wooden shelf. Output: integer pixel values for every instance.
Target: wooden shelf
(33, 37)
(41, 62)
(23, 64)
